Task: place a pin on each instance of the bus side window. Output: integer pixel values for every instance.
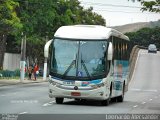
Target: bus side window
(119, 50)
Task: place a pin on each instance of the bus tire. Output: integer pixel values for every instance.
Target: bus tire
(106, 102)
(59, 100)
(121, 98)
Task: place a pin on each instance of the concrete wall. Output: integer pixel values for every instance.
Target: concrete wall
(11, 61)
(132, 62)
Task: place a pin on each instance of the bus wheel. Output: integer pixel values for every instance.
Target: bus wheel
(106, 102)
(59, 100)
(121, 98)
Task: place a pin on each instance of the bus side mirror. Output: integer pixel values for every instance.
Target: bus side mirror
(46, 48)
(110, 51)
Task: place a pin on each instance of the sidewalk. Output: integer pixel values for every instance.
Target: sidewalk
(10, 81)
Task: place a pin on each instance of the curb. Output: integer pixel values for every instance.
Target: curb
(10, 82)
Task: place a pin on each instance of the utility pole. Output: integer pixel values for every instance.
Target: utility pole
(22, 62)
(45, 65)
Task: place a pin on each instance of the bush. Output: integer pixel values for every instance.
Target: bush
(8, 73)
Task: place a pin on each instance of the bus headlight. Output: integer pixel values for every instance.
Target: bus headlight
(97, 85)
(53, 82)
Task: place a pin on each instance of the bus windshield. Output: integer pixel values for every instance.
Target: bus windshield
(79, 59)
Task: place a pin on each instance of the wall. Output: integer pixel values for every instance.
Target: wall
(11, 61)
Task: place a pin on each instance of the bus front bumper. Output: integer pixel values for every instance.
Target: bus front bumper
(101, 93)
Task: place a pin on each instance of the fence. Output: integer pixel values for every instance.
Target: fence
(11, 61)
(132, 61)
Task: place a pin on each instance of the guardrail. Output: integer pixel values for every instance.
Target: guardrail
(132, 61)
(142, 47)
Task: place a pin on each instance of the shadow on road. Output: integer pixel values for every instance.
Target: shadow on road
(83, 102)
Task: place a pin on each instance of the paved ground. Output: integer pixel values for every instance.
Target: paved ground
(32, 101)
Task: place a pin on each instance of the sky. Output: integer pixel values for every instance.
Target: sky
(120, 12)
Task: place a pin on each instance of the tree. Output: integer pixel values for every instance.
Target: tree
(145, 36)
(39, 19)
(43, 17)
(9, 24)
(87, 16)
(151, 6)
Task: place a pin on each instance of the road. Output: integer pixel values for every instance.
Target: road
(142, 97)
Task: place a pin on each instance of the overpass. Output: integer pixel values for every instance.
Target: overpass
(144, 87)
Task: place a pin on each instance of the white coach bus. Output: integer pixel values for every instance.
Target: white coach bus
(88, 62)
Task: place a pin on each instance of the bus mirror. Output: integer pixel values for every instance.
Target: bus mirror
(110, 51)
(46, 48)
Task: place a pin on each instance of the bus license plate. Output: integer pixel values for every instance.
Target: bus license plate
(68, 83)
(75, 93)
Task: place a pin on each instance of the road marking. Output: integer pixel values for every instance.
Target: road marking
(144, 53)
(3, 95)
(48, 104)
(52, 102)
(143, 102)
(135, 106)
(23, 112)
(150, 90)
(150, 99)
(156, 97)
(136, 89)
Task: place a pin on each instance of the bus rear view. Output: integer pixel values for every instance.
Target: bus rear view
(81, 64)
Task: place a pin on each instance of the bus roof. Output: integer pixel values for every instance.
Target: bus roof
(88, 32)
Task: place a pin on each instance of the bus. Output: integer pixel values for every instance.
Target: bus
(88, 62)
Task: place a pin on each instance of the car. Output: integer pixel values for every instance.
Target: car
(152, 48)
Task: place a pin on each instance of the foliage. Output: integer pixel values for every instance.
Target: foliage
(145, 36)
(38, 19)
(8, 73)
(151, 6)
(42, 18)
(9, 24)
(9, 21)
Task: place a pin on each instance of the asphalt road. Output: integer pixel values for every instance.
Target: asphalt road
(143, 97)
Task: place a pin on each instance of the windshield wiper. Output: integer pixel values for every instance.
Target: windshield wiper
(68, 69)
(85, 68)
